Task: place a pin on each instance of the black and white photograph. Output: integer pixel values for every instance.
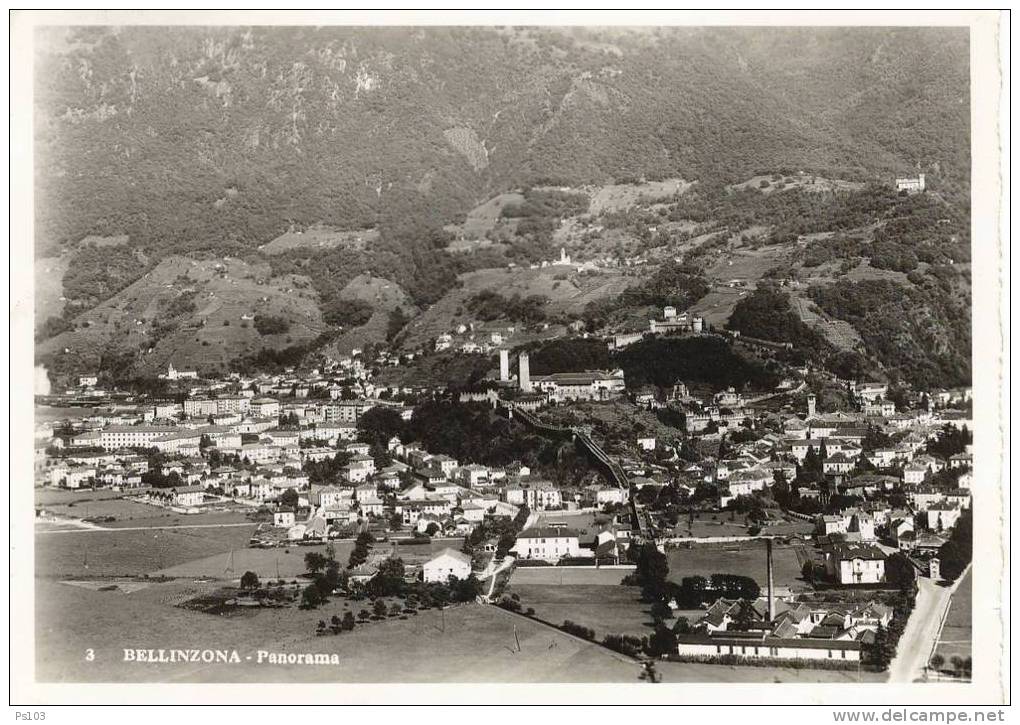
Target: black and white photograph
(399, 352)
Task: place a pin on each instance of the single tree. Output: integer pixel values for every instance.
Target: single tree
(311, 597)
(937, 661)
(249, 580)
(314, 562)
(660, 611)
(379, 608)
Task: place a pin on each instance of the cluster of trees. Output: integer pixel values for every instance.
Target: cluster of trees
(882, 650)
(359, 554)
(326, 471)
(956, 554)
(271, 324)
(663, 361)
(473, 432)
(950, 441)
(504, 530)
(326, 575)
(488, 305)
(567, 354)
(342, 312)
(766, 314)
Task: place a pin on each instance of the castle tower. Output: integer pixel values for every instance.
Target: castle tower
(524, 372)
(811, 404)
(698, 324)
(920, 182)
(504, 365)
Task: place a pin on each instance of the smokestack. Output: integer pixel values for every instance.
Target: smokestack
(524, 372)
(504, 365)
(768, 564)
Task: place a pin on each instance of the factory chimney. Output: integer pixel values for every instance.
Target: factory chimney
(771, 595)
(524, 372)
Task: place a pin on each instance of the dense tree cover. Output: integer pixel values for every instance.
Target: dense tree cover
(920, 335)
(788, 213)
(474, 432)
(488, 305)
(271, 325)
(767, 315)
(568, 354)
(650, 573)
(950, 441)
(664, 361)
(377, 425)
(344, 312)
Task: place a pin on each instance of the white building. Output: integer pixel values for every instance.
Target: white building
(856, 564)
(548, 543)
(760, 646)
(447, 563)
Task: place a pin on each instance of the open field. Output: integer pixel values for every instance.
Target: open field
(697, 672)
(290, 562)
(50, 497)
(484, 217)
(118, 508)
(749, 265)
(717, 306)
(319, 238)
(955, 640)
(584, 522)
(131, 514)
(567, 576)
(469, 643)
(619, 197)
(605, 609)
(706, 524)
(749, 561)
(132, 553)
(804, 182)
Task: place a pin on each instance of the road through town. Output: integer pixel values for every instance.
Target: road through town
(922, 630)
